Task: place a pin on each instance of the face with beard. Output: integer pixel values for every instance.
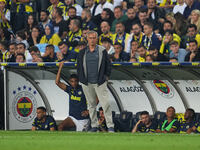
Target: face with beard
(151, 4)
(40, 114)
(136, 29)
(43, 17)
(119, 28)
(72, 13)
(84, 15)
(105, 27)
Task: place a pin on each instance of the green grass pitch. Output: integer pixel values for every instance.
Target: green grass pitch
(27, 140)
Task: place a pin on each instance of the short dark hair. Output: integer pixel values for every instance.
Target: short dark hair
(73, 76)
(106, 39)
(192, 26)
(61, 43)
(120, 7)
(152, 47)
(21, 34)
(22, 44)
(42, 108)
(150, 24)
(143, 10)
(34, 48)
(167, 21)
(144, 113)
(142, 46)
(169, 31)
(3, 44)
(193, 112)
(117, 43)
(50, 46)
(45, 11)
(120, 22)
(100, 109)
(72, 7)
(193, 41)
(59, 11)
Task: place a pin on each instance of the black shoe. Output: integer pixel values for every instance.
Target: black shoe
(94, 129)
(111, 130)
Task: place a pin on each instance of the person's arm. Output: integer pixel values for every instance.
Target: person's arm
(58, 83)
(136, 126)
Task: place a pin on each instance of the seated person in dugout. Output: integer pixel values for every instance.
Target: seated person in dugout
(170, 125)
(43, 121)
(102, 121)
(188, 125)
(145, 124)
(78, 113)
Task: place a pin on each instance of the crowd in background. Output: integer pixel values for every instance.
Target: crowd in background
(130, 31)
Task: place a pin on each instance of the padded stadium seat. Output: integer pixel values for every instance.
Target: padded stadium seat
(124, 122)
(197, 117)
(160, 116)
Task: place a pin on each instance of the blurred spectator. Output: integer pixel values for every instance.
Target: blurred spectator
(54, 4)
(142, 52)
(21, 49)
(31, 22)
(136, 35)
(132, 18)
(103, 4)
(90, 4)
(156, 14)
(22, 9)
(191, 5)
(107, 43)
(179, 7)
(87, 20)
(21, 37)
(5, 53)
(168, 37)
(156, 55)
(74, 34)
(105, 29)
(194, 53)
(177, 52)
(49, 55)
(149, 58)
(173, 60)
(65, 54)
(143, 16)
(119, 55)
(70, 3)
(44, 20)
(195, 18)
(119, 17)
(181, 24)
(43, 121)
(133, 53)
(34, 37)
(191, 34)
(81, 45)
(150, 38)
(4, 16)
(170, 125)
(34, 50)
(102, 121)
(120, 35)
(12, 49)
(36, 58)
(50, 37)
(138, 4)
(20, 58)
(60, 26)
(106, 15)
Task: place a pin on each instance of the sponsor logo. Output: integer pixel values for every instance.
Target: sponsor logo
(163, 88)
(24, 104)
